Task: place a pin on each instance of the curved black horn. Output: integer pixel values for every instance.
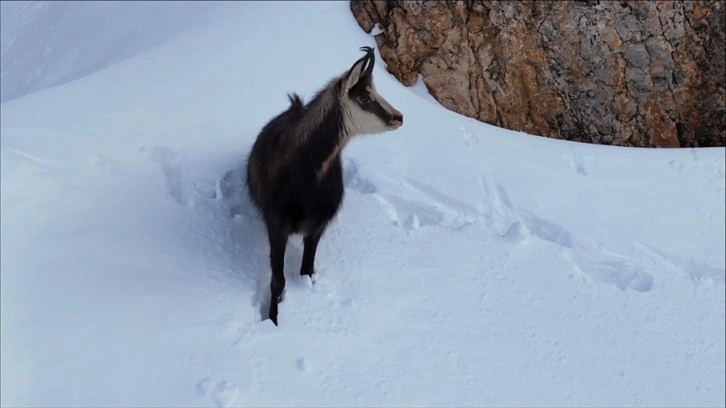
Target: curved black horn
(371, 59)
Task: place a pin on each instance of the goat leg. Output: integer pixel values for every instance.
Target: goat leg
(278, 242)
(308, 260)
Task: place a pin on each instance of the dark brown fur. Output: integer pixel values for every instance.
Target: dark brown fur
(294, 173)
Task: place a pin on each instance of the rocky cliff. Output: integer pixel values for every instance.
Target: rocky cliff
(628, 73)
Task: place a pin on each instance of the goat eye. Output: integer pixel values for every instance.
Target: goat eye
(364, 99)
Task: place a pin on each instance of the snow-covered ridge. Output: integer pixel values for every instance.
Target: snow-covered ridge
(49, 43)
(469, 266)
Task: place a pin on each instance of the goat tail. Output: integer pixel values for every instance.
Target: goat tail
(296, 103)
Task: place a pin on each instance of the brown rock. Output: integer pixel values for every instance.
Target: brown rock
(629, 73)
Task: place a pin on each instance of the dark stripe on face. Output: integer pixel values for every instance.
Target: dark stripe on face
(374, 107)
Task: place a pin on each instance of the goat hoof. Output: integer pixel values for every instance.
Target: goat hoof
(273, 316)
(308, 279)
(273, 312)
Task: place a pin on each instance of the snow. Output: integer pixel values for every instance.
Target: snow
(50, 43)
(469, 266)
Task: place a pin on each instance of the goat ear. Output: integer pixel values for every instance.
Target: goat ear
(354, 73)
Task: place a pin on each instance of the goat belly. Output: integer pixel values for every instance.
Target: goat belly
(306, 226)
(317, 219)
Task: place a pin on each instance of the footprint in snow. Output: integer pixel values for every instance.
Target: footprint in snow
(173, 174)
(497, 210)
(205, 386)
(695, 155)
(470, 138)
(696, 269)
(676, 165)
(433, 208)
(576, 163)
(624, 268)
(414, 205)
(303, 364)
(223, 393)
(106, 165)
(601, 264)
(617, 272)
(232, 189)
(182, 184)
(352, 179)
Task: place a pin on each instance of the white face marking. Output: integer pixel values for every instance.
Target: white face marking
(359, 121)
(384, 103)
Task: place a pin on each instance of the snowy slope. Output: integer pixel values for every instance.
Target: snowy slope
(47, 43)
(469, 266)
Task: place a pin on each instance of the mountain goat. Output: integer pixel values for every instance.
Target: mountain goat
(294, 172)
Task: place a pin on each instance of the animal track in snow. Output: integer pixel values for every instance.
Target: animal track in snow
(406, 212)
(619, 271)
(596, 261)
(352, 179)
(205, 386)
(233, 190)
(107, 165)
(676, 165)
(223, 393)
(409, 214)
(432, 210)
(697, 270)
(448, 201)
(548, 231)
(576, 163)
(303, 364)
(181, 183)
(497, 210)
(246, 239)
(470, 138)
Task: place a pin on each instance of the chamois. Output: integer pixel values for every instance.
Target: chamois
(294, 173)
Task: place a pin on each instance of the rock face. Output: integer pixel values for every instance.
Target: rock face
(628, 73)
